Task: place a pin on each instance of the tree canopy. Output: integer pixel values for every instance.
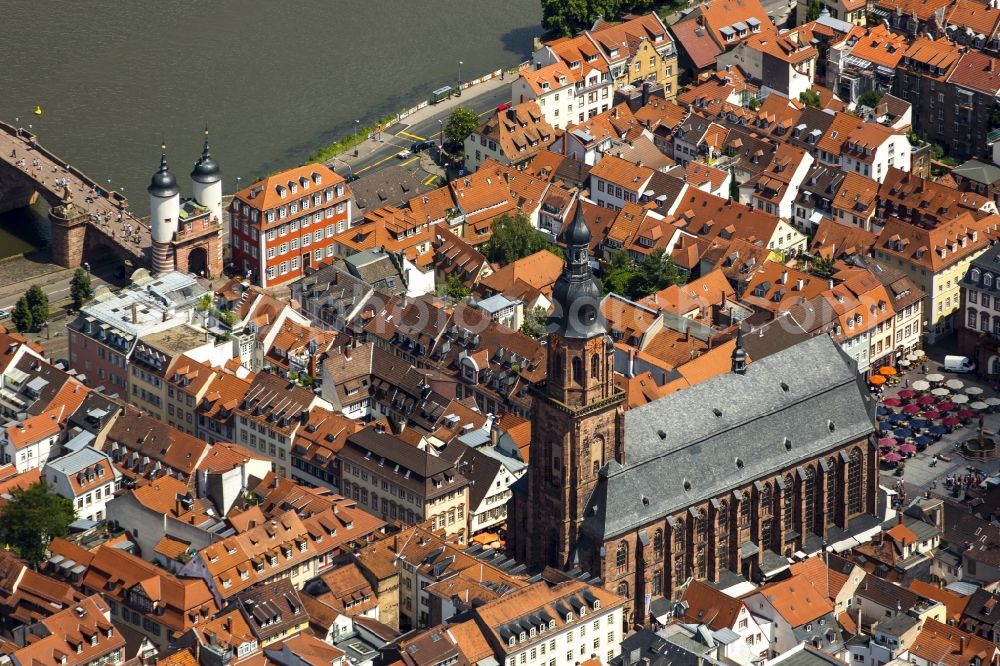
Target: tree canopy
(455, 288)
(870, 98)
(32, 518)
(80, 288)
(536, 321)
(637, 280)
(461, 123)
(514, 238)
(38, 301)
(810, 98)
(813, 10)
(22, 316)
(566, 17)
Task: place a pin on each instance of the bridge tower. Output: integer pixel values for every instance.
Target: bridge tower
(206, 178)
(69, 231)
(165, 210)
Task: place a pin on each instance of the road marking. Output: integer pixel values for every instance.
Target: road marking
(411, 160)
(412, 136)
(487, 111)
(430, 179)
(375, 164)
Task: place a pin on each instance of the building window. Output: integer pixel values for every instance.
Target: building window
(577, 370)
(621, 557)
(854, 473)
(623, 590)
(595, 366)
(658, 545)
(809, 498)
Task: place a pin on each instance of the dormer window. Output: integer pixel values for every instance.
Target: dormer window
(569, 617)
(510, 643)
(597, 604)
(988, 280)
(523, 636)
(294, 188)
(974, 275)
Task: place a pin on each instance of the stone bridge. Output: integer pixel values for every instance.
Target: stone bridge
(96, 223)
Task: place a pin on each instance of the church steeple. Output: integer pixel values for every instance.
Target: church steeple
(577, 296)
(739, 354)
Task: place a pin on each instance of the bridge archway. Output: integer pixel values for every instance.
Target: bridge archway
(197, 261)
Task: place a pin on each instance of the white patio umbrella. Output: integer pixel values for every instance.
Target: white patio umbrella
(973, 390)
(993, 402)
(960, 399)
(911, 357)
(918, 352)
(935, 377)
(979, 405)
(954, 384)
(921, 385)
(904, 363)
(940, 392)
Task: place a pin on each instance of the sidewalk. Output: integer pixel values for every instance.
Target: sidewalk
(429, 112)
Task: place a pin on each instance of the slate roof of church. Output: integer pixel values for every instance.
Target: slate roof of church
(788, 407)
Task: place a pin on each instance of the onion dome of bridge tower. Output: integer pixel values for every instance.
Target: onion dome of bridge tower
(576, 294)
(163, 183)
(206, 169)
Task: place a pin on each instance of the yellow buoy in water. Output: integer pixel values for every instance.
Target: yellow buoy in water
(38, 111)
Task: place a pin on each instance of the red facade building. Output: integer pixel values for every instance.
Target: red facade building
(286, 222)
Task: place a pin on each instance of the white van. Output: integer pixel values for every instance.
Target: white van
(958, 364)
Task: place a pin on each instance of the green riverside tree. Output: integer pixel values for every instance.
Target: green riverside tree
(22, 316)
(461, 123)
(80, 288)
(32, 518)
(38, 301)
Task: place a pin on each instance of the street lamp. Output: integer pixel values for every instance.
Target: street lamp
(441, 134)
(459, 78)
(357, 135)
(238, 179)
(86, 266)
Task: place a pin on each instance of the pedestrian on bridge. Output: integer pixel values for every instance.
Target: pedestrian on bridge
(13, 153)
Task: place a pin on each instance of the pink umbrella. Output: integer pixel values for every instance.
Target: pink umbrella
(892, 456)
(887, 441)
(908, 448)
(892, 402)
(907, 393)
(926, 400)
(965, 414)
(946, 406)
(951, 422)
(911, 409)
(932, 415)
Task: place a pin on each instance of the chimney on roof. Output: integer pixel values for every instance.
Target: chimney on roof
(165, 316)
(961, 644)
(347, 352)
(135, 313)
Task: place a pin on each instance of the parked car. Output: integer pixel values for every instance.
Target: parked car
(421, 146)
(403, 154)
(4, 314)
(504, 106)
(959, 364)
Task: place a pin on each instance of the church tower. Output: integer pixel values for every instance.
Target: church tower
(577, 414)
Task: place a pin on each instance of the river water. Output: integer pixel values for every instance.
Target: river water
(272, 80)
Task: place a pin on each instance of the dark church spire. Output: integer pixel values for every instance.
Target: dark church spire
(739, 355)
(577, 296)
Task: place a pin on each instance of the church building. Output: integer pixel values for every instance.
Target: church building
(725, 479)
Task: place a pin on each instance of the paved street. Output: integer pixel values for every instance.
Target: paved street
(919, 475)
(381, 151)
